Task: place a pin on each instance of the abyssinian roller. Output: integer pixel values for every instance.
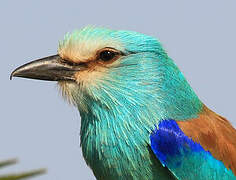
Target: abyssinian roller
(140, 119)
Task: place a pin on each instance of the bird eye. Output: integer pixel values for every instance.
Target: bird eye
(107, 55)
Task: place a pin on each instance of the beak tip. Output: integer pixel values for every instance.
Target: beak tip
(12, 75)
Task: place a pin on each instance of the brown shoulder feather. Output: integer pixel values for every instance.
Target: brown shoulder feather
(215, 134)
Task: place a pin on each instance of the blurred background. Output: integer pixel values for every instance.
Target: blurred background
(41, 129)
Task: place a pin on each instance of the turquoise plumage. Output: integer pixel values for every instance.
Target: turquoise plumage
(140, 119)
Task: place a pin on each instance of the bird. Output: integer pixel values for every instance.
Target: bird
(140, 118)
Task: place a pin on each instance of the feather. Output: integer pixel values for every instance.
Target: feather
(215, 134)
(185, 158)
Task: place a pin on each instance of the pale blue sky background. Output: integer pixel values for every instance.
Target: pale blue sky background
(39, 128)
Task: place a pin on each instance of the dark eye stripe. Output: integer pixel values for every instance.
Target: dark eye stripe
(70, 63)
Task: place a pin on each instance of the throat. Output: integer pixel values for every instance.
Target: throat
(115, 149)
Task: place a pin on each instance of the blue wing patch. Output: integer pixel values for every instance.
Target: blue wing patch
(185, 158)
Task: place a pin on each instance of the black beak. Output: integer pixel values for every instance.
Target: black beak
(52, 68)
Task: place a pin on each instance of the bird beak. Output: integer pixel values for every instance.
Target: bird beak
(52, 68)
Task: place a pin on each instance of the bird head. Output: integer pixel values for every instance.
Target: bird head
(100, 69)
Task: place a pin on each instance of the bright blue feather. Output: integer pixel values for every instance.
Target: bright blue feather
(185, 158)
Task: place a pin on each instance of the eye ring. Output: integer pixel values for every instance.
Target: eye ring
(108, 55)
